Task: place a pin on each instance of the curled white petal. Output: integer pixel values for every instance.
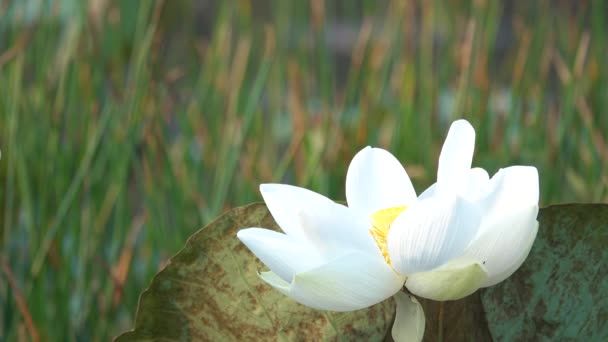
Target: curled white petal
(334, 229)
(351, 282)
(280, 253)
(409, 320)
(285, 202)
(454, 280)
(509, 225)
(511, 189)
(456, 157)
(502, 243)
(431, 232)
(515, 260)
(376, 180)
(312, 218)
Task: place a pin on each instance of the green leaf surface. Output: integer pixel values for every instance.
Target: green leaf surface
(561, 291)
(210, 291)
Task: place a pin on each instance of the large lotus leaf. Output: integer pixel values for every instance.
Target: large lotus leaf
(561, 291)
(210, 291)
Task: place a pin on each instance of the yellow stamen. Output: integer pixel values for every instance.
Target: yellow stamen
(381, 224)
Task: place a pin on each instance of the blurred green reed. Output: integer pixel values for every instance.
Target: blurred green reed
(125, 126)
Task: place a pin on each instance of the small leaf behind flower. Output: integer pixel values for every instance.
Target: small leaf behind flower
(210, 291)
(561, 291)
(455, 320)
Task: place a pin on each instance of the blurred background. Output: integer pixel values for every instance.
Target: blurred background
(125, 126)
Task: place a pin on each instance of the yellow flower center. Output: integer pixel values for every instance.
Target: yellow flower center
(381, 224)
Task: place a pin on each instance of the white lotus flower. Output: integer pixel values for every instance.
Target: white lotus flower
(465, 232)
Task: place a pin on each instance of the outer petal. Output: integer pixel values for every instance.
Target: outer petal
(511, 189)
(279, 252)
(456, 157)
(310, 217)
(431, 232)
(335, 229)
(502, 243)
(454, 280)
(351, 282)
(509, 226)
(376, 180)
(409, 320)
(285, 202)
(516, 260)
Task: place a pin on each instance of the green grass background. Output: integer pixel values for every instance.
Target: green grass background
(127, 125)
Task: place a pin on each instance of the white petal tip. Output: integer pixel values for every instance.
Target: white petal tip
(462, 124)
(244, 234)
(249, 234)
(456, 156)
(267, 187)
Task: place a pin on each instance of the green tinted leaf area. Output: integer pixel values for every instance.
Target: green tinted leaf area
(210, 291)
(561, 291)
